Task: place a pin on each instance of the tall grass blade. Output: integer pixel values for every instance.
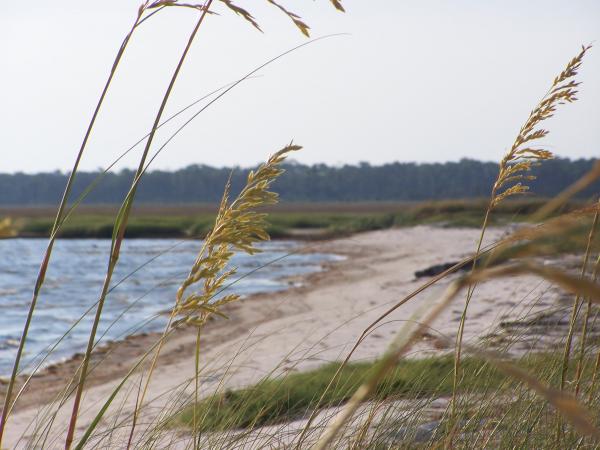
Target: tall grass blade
(59, 215)
(119, 232)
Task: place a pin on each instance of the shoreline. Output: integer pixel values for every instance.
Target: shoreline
(302, 327)
(299, 234)
(288, 237)
(130, 347)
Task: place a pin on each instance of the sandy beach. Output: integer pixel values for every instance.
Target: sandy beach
(301, 328)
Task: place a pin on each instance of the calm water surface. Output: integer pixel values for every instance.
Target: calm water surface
(144, 285)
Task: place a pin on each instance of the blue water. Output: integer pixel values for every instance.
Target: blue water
(144, 285)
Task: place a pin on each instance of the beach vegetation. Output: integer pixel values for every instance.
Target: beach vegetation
(468, 395)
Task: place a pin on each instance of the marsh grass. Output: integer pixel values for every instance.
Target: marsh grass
(298, 221)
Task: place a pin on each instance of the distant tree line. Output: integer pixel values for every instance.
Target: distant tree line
(389, 182)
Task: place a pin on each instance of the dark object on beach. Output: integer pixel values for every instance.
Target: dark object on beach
(436, 269)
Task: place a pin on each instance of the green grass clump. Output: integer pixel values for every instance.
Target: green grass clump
(291, 397)
(276, 400)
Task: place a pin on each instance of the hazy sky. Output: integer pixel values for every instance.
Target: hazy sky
(414, 81)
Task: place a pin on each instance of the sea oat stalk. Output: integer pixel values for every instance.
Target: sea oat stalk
(515, 167)
(238, 227)
(59, 220)
(121, 225)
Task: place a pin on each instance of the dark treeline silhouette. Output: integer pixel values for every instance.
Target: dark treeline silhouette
(389, 182)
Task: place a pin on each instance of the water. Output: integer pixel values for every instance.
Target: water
(144, 286)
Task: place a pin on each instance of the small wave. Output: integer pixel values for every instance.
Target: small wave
(73, 284)
(5, 292)
(9, 343)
